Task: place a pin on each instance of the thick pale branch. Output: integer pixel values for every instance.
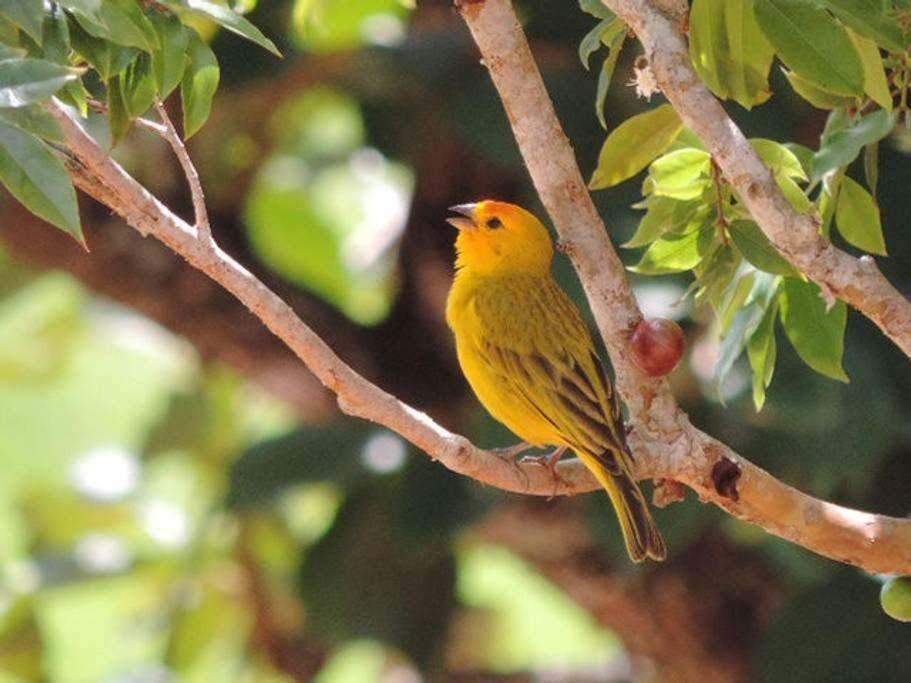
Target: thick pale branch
(856, 281)
(664, 440)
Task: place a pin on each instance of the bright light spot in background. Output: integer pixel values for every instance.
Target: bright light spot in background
(106, 474)
(21, 576)
(325, 27)
(166, 523)
(359, 660)
(384, 210)
(135, 332)
(401, 674)
(661, 300)
(327, 211)
(385, 30)
(383, 453)
(97, 553)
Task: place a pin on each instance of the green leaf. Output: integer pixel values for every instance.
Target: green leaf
(816, 95)
(714, 275)
(228, 19)
(812, 43)
(138, 86)
(38, 179)
(683, 174)
(88, 11)
(816, 334)
(742, 326)
(870, 18)
(35, 120)
(9, 52)
(170, 60)
(75, 95)
(871, 166)
(200, 80)
(761, 352)
(827, 200)
(757, 249)
(596, 8)
(55, 40)
(120, 22)
(607, 70)
(127, 25)
(25, 81)
(875, 83)
(842, 146)
(591, 42)
(794, 194)
(729, 51)
(118, 116)
(106, 57)
(857, 217)
(675, 253)
(735, 298)
(634, 144)
(803, 154)
(664, 215)
(26, 14)
(780, 160)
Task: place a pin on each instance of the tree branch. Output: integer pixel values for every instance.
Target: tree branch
(689, 457)
(203, 229)
(663, 439)
(857, 281)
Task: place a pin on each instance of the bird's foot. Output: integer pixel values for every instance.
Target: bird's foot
(550, 462)
(512, 453)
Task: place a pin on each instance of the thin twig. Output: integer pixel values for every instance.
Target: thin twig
(153, 127)
(203, 229)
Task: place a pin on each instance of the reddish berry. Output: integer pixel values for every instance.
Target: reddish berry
(657, 346)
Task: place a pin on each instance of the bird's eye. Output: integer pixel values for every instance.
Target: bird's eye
(494, 223)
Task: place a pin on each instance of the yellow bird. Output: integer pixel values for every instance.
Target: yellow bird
(529, 357)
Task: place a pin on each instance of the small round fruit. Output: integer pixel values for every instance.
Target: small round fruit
(657, 346)
(895, 597)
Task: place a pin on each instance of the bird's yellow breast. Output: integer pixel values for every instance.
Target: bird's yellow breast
(475, 332)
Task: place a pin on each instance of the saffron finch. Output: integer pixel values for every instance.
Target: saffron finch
(530, 359)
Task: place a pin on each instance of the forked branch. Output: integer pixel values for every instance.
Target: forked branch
(663, 435)
(667, 446)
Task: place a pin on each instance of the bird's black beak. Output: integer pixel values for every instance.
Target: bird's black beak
(466, 210)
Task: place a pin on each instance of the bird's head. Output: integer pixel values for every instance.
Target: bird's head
(496, 237)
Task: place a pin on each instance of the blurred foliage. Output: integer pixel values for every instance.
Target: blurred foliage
(325, 212)
(163, 520)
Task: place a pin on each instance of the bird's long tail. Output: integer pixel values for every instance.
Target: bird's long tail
(639, 529)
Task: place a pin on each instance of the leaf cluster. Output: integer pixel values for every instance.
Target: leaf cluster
(114, 56)
(694, 221)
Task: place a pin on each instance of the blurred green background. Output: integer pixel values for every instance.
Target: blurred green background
(180, 501)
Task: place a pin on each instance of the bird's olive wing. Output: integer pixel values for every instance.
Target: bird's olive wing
(543, 352)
